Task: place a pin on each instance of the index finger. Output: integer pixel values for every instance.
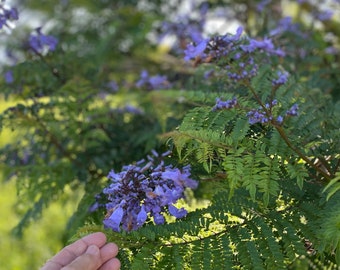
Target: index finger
(72, 251)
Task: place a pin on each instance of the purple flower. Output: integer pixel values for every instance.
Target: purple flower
(9, 77)
(282, 78)
(208, 74)
(324, 15)
(158, 81)
(144, 191)
(187, 26)
(192, 51)
(153, 82)
(93, 207)
(286, 25)
(263, 115)
(236, 37)
(142, 216)
(279, 119)
(132, 109)
(158, 219)
(258, 116)
(228, 104)
(293, 111)
(10, 14)
(271, 105)
(112, 85)
(144, 76)
(260, 6)
(7, 15)
(178, 213)
(235, 54)
(115, 219)
(40, 43)
(183, 29)
(331, 50)
(265, 45)
(181, 178)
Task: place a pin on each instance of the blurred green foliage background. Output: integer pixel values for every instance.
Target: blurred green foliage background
(41, 240)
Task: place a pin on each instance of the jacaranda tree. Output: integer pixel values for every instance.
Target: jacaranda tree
(197, 145)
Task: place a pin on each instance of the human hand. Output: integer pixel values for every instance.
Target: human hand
(88, 253)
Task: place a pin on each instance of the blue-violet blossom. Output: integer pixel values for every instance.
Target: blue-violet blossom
(152, 82)
(293, 111)
(41, 43)
(228, 104)
(193, 51)
(286, 25)
(264, 115)
(7, 14)
(145, 190)
(324, 15)
(237, 53)
(9, 77)
(282, 78)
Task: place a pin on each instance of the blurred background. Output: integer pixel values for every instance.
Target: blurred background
(40, 240)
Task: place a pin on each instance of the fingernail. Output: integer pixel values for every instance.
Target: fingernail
(92, 250)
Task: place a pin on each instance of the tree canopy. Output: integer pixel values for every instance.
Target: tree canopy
(202, 134)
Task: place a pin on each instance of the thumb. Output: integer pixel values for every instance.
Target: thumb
(90, 260)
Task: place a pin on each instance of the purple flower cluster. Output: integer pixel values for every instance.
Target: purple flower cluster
(235, 50)
(192, 51)
(215, 47)
(112, 86)
(41, 43)
(282, 78)
(8, 76)
(184, 29)
(243, 70)
(286, 25)
(324, 15)
(262, 115)
(130, 109)
(261, 6)
(228, 104)
(145, 190)
(152, 82)
(266, 45)
(220, 46)
(7, 15)
(265, 115)
(293, 111)
(258, 116)
(187, 27)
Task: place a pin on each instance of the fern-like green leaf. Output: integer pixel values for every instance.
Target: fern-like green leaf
(333, 186)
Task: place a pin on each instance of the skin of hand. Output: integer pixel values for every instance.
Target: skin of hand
(88, 253)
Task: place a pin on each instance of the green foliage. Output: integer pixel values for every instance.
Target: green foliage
(272, 186)
(228, 234)
(333, 186)
(39, 242)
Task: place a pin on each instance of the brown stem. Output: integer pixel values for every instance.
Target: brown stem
(300, 154)
(285, 138)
